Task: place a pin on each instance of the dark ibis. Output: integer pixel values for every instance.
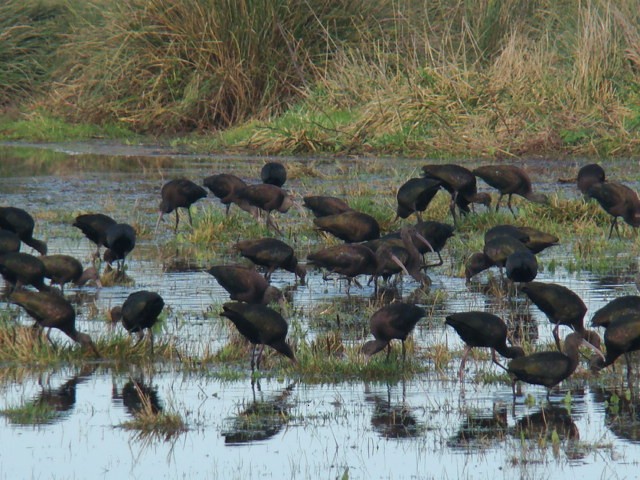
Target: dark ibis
(274, 173)
(9, 242)
(395, 321)
(226, 187)
(351, 226)
(621, 336)
(617, 200)
(461, 184)
(538, 240)
(521, 266)
(495, 253)
(95, 226)
(323, 206)
(20, 269)
(51, 310)
(179, 193)
(139, 312)
(481, 329)
(589, 175)
(551, 367)
(562, 306)
(271, 253)
(415, 195)
(63, 269)
(245, 284)
(351, 260)
(509, 180)
(21, 223)
(406, 251)
(628, 304)
(260, 325)
(535, 240)
(120, 241)
(267, 198)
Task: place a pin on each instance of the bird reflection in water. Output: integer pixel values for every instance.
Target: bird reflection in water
(261, 419)
(51, 404)
(393, 420)
(138, 396)
(551, 424)
(622, 413)
(481, 429)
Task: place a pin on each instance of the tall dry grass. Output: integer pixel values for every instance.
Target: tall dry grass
(175, 65)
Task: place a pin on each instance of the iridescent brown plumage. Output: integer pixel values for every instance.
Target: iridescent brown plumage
(226, 187)
(51, 310)
(245, 284)
(617, 200)
(271, 253)
(481, 329)
(351, 226)
(20, 269)
(95, 226)
(139, 312)
(509, 180)
(63, 269)
(322, 205)
(179, 193)
(260, 325)
(395, 321)
(21, 223)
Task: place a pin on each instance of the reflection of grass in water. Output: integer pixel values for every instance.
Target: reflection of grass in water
(153, 424)
(31, 414)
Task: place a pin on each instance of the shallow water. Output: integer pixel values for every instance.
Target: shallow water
(428, 427)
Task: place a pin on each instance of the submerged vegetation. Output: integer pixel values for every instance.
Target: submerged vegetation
(414, 77)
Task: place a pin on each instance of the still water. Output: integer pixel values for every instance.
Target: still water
(428, 427)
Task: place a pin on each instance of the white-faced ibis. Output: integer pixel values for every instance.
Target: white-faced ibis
(323, 206)
(226, 187)
(20, 269)
(562, 306)
(509, 180)
(589, 175)
(628, 304)
(548, 368)
(18, 221)
(392, 321)
(621, 336)
(352, 260)
(260, 325)
(271, 253)
(481, 329)
(267, 198)
(274, 173)
(95, 226)
(351, 226)
(179, 193)
(617, 200)
(120, 240)
(51, 310)
(245, 284)
(415, 195)
(461, 185)
(9, 242)
(139, 312)
(62, 269)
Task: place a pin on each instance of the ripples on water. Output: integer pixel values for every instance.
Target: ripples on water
(279, 428)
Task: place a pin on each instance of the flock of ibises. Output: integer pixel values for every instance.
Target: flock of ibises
(365, 252)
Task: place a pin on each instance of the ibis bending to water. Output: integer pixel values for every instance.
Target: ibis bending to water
(260, 325)
(179, 193)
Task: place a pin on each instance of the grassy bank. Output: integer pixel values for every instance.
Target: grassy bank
(439, 78)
